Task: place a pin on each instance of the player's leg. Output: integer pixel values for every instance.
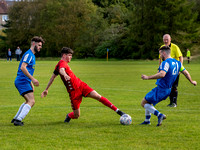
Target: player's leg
(174, 93)
(73, 115)
(104, 101)
(147, 114)
(20, 109)
(25, 89)
(76, 99)
(24, 108)
(150, 108)
(147, 118)
(153, 110)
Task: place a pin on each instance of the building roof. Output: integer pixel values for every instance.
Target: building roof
(10, 3)
(3, 7)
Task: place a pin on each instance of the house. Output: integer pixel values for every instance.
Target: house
(3, 13)
(4, 5)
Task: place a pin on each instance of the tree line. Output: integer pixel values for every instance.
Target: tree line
(130, 29)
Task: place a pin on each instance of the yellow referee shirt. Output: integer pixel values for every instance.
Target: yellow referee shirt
(175, 51)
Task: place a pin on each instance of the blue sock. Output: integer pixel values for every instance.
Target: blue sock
(148, 117)
(156, 113)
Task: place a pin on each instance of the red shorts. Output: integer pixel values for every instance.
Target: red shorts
(77, 94)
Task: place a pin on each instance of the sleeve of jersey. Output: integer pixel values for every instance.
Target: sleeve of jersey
(27, 58)
(61, 65)
(178, 52)
(164, 66)
(58, 66)
(56, 72)
(182, 68)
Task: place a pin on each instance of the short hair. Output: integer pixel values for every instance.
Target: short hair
(166, 49)
(166, 35)
(37, 39)
(66, 50)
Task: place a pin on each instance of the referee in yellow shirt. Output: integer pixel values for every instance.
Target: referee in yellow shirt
(176, 54)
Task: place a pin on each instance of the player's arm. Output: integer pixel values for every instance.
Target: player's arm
(158, 75)
(45, 92)
(187, 75)
(181, 59)
(25, 71)
(63, 73)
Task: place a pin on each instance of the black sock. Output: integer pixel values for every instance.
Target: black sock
(119, 112)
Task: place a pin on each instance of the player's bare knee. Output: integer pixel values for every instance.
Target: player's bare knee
(76, 116)
(143, 102)
(31, 103)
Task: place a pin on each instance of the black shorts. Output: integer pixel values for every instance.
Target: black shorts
(175, 85)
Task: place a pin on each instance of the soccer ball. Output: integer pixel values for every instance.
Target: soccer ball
(125, 119)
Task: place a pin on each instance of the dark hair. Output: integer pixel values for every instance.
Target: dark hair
(66, 50)
(166, 49)
(37, 39)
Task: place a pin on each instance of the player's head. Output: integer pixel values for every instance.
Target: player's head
(36, 43)
(167, 39)
(66, 50)
(164, 52)
(66, 54)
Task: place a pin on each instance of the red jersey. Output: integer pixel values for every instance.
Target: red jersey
(74, 82)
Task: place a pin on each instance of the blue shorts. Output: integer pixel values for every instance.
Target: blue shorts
(23, 87)
(157, 94)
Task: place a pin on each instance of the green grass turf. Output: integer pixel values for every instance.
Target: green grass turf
(98, 127)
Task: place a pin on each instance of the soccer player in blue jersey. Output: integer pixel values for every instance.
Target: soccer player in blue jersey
(25, 82)
(168, 72)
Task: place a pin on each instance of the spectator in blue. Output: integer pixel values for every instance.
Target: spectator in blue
(18, 53)
(9, 55)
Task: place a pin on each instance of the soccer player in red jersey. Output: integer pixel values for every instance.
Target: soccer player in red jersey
(75, 87)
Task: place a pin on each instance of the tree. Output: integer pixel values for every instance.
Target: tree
(129, 28)
(60, 23)
(153, 18)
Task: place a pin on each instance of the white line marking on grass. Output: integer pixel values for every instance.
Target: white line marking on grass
(142, 91)
(103, 107)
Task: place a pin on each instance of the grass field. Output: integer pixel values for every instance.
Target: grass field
(98, 127)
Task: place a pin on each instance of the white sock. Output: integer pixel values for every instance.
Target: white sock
(151, 109)
(24, 112)
(19, 111)
(147, 115)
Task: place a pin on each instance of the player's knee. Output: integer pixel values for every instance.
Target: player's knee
(142, 103)
(76, 116)
(31, 103)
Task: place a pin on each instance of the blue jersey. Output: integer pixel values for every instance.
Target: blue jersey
(172, 67)
(28, 58)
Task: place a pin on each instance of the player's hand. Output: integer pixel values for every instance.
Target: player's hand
(67, 77)
(194, 83)
(35, 82)
(144, 77)
(44, 93)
